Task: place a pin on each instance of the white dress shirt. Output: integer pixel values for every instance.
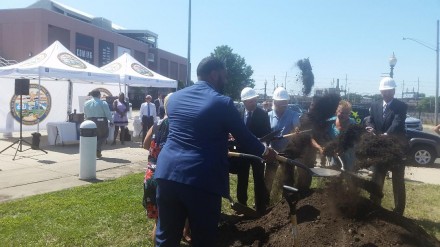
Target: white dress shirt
(144, 110)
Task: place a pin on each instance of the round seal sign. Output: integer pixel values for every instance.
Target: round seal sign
(141, 69)
(71, 61)
(35, 106)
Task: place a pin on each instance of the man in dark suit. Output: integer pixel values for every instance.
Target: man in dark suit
(192, 171)
(159, 102)
(257, 121)
(388, 118)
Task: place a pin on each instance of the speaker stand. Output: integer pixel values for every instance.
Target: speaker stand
(20, 140)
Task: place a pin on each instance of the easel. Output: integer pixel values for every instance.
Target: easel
(19, 89)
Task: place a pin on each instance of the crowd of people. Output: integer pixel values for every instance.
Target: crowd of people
(188, 136)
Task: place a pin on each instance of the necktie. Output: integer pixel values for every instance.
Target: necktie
(148, 111)
(385, 110)
(248, 119)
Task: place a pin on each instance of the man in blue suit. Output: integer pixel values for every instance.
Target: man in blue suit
(192, 169)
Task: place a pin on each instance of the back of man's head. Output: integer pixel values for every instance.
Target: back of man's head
(95, 93)
(207, 65)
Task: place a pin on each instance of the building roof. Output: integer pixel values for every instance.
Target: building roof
(144, 36)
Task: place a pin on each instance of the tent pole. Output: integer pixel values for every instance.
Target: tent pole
(38, 103)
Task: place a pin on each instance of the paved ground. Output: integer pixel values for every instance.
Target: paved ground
(34, 172)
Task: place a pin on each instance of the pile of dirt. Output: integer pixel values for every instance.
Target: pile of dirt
(331, 216)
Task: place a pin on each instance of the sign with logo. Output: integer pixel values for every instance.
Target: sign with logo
(35, 107)
(71, 61)
(141, 69)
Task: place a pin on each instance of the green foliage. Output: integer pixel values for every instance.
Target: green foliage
(239, 73)
(426, 104)
(110, 213)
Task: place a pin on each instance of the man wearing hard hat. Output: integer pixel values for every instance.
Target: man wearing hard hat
(257, 121)
(388, 118)
(284, 119)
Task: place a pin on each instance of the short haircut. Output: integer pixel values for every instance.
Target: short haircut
(209, 64)
(95, 93)
(343, 104)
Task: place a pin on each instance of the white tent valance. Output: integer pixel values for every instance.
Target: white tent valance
(133, 73)
(57, 62)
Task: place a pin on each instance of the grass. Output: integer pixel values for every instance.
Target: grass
(111, 214)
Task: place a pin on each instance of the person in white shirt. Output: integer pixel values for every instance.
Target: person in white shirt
(148, 115)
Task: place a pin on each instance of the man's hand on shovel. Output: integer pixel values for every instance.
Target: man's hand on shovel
(270, 155)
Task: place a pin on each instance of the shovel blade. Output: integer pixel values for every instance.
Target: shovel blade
(242, 209)
(324, 172)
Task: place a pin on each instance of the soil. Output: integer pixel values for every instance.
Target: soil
(332, 216)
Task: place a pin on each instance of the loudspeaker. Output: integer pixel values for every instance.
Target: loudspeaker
(21, 86)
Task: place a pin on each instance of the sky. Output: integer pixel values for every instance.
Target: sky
(344, 39)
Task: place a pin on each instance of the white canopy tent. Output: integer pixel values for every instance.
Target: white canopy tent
(57, 62)
(62, 75)
(133, 73)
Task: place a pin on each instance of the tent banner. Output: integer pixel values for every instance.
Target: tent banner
(46, 102)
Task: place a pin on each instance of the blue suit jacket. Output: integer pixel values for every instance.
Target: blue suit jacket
(195, 153)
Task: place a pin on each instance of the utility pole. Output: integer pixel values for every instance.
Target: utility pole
(265, 85)
(346, 79)
(274, 83)
(417, 97)
(285, 81)
(403, 88)
(188, 62)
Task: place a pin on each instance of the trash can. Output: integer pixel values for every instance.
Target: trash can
(35, 140)
(87, 150)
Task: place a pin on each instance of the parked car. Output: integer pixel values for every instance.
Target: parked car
(424, 147)
(413, 123)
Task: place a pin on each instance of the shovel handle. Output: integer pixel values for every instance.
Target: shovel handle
(247, 156)
(294, 163)
(296, 133)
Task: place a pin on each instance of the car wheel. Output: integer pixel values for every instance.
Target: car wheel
(423, 155)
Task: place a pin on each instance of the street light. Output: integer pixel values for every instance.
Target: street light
(436, 80)
(393, 61)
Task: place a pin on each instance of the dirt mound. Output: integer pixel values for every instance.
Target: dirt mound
(331, 216)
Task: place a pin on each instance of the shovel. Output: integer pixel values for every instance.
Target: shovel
(315, 171)
(368, 185)
(242, 209)
(292, 197)
(274, 135)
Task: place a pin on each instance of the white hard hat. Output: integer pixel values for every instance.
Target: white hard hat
(387, 83)
(280, 94)
(248, 93)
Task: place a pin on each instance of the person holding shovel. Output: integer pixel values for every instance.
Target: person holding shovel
(192, 170)
(388, 118)
(257, 121)
(284, 119)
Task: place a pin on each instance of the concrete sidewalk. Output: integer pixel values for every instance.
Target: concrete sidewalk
(34, 172)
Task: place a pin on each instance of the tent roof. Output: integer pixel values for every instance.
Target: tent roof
(133, 73)
(57, 62)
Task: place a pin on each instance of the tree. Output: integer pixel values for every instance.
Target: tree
(426, 104)
(239, 73)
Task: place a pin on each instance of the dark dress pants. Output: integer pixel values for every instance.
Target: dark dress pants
(147, 122)
(398, 182)
(176, 202)
(101, 131)
(241, 167)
